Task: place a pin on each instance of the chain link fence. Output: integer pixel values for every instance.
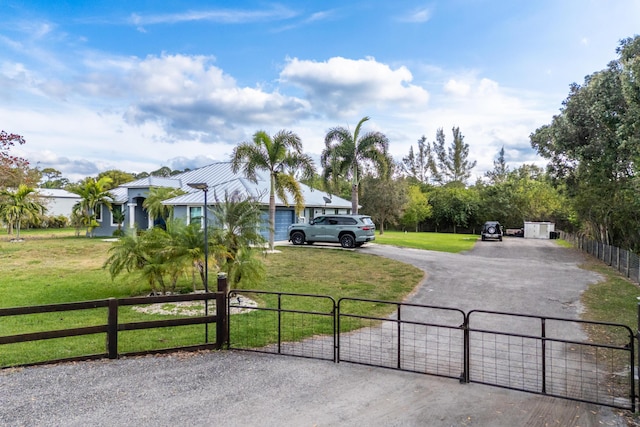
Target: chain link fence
(626, 262)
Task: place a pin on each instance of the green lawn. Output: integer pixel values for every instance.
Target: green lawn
(442, 242)
(48, 269)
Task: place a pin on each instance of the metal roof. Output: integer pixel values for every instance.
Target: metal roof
(220, 178)
(154, 181)
(56, 193)
(120, 194)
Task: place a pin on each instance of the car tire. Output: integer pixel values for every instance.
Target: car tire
(483, 238)
(297, 237)
(347, 241)
(500, 238)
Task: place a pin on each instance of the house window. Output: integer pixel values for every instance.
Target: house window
(115, 210)
(195, 214)
(99, 212)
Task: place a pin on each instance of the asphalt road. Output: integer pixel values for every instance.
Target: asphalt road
(248, 389)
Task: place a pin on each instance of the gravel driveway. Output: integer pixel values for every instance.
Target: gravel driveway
(245, 389)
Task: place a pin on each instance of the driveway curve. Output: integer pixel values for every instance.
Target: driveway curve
(246, 389)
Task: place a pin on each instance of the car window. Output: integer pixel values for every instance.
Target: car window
(366, 220)
(346, 221)
(319, 220)
(332, 221)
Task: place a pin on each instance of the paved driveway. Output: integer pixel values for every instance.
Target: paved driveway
(245, 389)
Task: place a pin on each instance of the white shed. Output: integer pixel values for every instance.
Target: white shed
(538, 230)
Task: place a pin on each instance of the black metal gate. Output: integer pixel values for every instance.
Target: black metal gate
(416, 338)
(551, 356)
(536, 354)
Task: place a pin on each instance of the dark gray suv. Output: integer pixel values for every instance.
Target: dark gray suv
(348, 230)
(491, 230)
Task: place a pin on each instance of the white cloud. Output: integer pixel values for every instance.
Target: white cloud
(457, 87)
(340, 87)
(225, 16)
(419, 15)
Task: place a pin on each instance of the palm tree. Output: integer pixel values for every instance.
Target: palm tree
(280, 156)
(346, 154)
(18, 205)
(187, 243)
(234, 236)
(153, 202)
(148, 253)
(93, 193)
(118, 218)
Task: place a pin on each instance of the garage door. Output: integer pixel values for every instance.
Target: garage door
(284, 218)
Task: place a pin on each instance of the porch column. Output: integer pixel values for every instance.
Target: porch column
(132, 214)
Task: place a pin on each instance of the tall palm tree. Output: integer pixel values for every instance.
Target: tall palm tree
(345, 156)
(153, 202)
(279, 156)
(18, 205)
(93, 193)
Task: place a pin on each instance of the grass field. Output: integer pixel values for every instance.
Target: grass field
(442, 242)
(57, 267)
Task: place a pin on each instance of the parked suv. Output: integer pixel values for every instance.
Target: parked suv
(492, 230)
(348, 230)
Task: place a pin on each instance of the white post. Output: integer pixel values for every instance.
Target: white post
(132, 215)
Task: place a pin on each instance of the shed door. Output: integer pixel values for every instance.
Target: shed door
(544, 231)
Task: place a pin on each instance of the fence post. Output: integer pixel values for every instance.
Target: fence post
(222, 312)
(628, 261)
(633, 369)
(112, 329)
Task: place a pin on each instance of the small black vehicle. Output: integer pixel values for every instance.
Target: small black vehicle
(491, 230)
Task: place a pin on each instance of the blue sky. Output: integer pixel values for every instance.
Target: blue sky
(135, 85)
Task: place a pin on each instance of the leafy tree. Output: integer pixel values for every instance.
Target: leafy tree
(383, 199)
(279, 156)
(13, 169)
(416, 208)
(153, 203)
(117, 177)
(451, 164)
(454, 206)
(526, 194)
(592, 147)
(93, 193)
(500, 169)
(419, 165)
(52, 178)
(164, 172)
(19, 205)
(346, 156)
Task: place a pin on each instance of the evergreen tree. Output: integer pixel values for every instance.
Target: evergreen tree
(451, 163)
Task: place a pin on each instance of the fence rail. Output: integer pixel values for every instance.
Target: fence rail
(113, 326)
(625, 261)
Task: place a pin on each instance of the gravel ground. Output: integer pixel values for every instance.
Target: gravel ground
(246, 389)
